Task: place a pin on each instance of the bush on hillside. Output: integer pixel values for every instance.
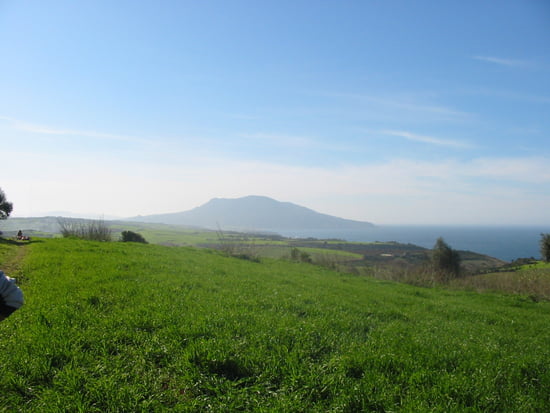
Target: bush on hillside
(445, 259)
(85, 229)
(300, 256)
(545, 247)
(130, 236)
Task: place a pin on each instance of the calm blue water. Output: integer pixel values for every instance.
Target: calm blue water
(506, 243)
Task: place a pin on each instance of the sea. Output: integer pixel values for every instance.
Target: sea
(506, 243)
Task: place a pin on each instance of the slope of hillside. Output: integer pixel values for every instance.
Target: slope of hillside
(133, 327)
(254, 213)
(362, 257)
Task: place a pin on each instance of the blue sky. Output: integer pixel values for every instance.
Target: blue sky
(394, 112)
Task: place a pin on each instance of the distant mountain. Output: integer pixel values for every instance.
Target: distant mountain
(254, 213)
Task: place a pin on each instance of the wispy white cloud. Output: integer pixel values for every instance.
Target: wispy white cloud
(294, 141)
(279, 139)
(506, 94)
(427, 139)
(47, 130)
(399, 105)
(504, 61)
(422, 107)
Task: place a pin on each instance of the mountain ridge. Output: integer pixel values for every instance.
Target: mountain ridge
(253, 212)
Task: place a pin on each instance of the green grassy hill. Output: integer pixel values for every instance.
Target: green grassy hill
(391, 260)
(140, 328)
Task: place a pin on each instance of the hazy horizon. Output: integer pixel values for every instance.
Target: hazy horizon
(395, 113)
(95, 216)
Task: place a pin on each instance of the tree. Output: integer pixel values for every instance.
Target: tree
(130, 236)
(5, 206)
(445, 259)
(545, 247)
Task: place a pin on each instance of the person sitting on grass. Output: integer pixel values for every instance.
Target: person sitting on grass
(11, 296)
(22, 237)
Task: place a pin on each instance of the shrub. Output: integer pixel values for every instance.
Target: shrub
(85, 229)
(301, 256)
(545, 247)
(130, 236)
(445, 259)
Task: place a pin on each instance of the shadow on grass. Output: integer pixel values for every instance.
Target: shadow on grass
(19, 243)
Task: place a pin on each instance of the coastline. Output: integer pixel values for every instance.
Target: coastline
(504, 242)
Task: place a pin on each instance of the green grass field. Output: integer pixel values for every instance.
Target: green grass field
(123, 327)
(532, 280)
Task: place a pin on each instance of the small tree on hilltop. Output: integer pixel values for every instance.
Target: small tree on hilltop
(445, 259)
(130, 236)
(5, 206)
(545, 247)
